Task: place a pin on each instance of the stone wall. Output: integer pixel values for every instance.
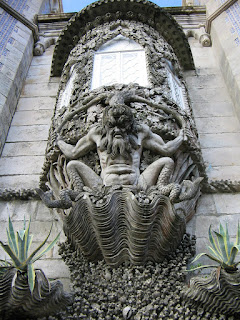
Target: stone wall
(225, 33)
(219, 135)
(23, 154)
(22, 160)
(16, 51)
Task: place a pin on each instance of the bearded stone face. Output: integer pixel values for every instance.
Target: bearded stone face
(118, 131)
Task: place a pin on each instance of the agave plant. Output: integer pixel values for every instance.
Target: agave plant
(221, 250)
(18, 249)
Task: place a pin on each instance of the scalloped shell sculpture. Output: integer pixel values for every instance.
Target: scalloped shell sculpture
(120, 228)
(220, 296)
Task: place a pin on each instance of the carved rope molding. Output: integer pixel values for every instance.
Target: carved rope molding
(18, 16)
(217, 13)
(216, 186)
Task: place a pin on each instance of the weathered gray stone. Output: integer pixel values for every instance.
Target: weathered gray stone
(204, 95)
(222, 156)
(218, 140)
(223, 172)
(206, 205)
(38, 74)
(227, 203)
(212, 80)
(17, 210)
(213, 109)
(203, 223)
(5, 119)
(40, 230)
(36, 103)
(21, 165)
(217, 125)
(44, 213)
(5, 84)
(2, 100)
(45, 59)
(28, 133)
(34, 90)
(53, 268)
(19, 181)
(24, 149)
(25, 118)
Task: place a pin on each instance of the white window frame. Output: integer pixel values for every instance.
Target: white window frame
(175, 86)
(118, 74)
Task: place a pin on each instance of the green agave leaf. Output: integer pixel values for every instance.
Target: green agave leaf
(21, 234)
(221, 243)
(199, 256)
(228, 244)
(206, 254)
(47, 248)
(30, 258)
(12, 236)
(31, 276)
(27, 240)
(215, 254)
(24, 223)
(20, 248)
(202, 267)
(213, 242)
(232, 256)
(11, 244)
(12, 255)
(221, 230)
(238, 235)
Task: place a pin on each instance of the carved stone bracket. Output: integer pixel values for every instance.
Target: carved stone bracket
(201, 35)
(42, 44)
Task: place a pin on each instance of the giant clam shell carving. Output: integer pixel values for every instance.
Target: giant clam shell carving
(119, 228)
(216, 295)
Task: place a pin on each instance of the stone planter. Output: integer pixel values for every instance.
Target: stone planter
(17, 302)
(216, 294)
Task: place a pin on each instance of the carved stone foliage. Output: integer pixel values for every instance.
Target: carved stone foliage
(79, 65)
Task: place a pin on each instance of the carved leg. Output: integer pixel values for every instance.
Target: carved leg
(81, 175)
(159, 173)
(156, 173)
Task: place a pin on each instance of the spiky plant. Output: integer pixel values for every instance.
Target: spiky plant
(18, 249)
(221, 249)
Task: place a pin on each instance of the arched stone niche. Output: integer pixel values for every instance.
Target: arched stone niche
(106, 11)
(159, 56)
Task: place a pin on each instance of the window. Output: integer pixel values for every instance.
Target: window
(175, 85)
(120, 60)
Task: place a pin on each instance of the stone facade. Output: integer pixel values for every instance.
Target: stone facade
(213, 90)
